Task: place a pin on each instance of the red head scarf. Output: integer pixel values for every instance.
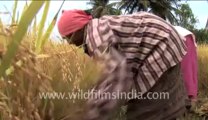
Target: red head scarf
(72, 20)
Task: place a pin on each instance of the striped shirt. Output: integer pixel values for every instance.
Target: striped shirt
(136, 49)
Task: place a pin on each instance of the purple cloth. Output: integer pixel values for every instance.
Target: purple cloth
(189, 68)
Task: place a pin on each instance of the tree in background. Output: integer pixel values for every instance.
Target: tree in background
(201, 35)
(103, 7)
(187, 20)
(186, 17)
(170, 10)
(162, 8)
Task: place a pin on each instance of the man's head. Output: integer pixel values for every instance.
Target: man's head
(71, 25)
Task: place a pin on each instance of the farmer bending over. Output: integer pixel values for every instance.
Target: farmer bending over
(189, 66)
(141, 52)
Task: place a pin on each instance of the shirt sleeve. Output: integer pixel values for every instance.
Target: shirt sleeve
(115, 78)
(105, 97)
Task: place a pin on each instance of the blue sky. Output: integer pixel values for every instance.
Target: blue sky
(199, 8)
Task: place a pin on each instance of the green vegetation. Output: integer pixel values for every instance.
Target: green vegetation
(201, 35)
(186, 17)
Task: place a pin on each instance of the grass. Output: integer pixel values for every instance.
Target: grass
(203, 69)
(19, 34)
(63, 69)
(31, 65)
